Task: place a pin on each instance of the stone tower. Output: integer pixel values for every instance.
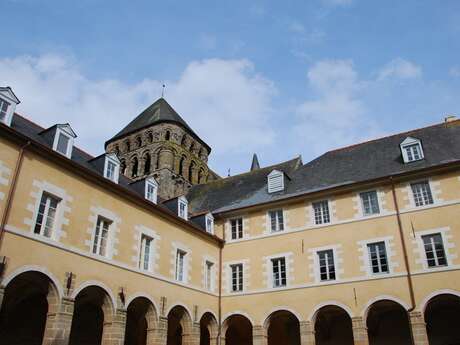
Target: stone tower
(159, 143)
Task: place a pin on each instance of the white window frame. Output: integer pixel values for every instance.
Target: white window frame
(275, 181)
(6, 113)
(409, 142)
(45, 215)
(142, 252)
(7, 95)
(363, 208)
(435, 256)
(153, 197)
(66, 131)
(96, 242)
(239, 277)
(334, 259)
(182, 201)
(279, 273)
(237, 229)
(209, 268)
(277, 227)
(180, 266)
(209, 220)
(379, 263)
(313, 213)
(412, 194)
(111, 158)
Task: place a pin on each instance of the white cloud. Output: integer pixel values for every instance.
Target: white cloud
(455, 72)
(401, 69)
(336, 116)
(225, 101)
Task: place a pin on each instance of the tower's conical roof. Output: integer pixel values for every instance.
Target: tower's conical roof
(159, 112)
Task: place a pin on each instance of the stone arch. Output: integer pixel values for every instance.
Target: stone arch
(93, 314)
(30, 298)
(237, 329)
(266, 318)
(433, 294)
(387, 321)
(332, 324)
(209, 328)
(146, 162)
(282, 326)
(368, 305)
(141, 321)
(180, 324)
(182, 166)
(99, 284)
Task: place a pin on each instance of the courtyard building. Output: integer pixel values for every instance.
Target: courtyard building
(146, 245)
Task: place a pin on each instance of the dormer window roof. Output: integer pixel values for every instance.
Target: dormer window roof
(8, 102)
(209, 223)
(275, 181)
(151, 190)
(111, 167)
(411, 149)
(63, 140)
(182, 207)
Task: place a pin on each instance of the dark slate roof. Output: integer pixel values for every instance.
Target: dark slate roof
(237, 191)
(159, 112)
(357, 163)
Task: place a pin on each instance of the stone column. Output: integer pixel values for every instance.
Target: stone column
(259, 335)
(59, 323)
(158, 335)
(359, 331)
(418, 328)
(213, 340)
(192, 337)
(114, 330)
(307, 333)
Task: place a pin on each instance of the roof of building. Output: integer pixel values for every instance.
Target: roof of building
(159, 112)
(357, 163)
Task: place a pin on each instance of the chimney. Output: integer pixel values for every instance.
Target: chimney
(450, 118)
(255, 163)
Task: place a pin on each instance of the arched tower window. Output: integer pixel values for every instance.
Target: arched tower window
(123, 167)
(127, 145)
(192, 147)
(182, 166)
(201, 177)
(150, 137)
(167, 135)
(147, 163)
(138, 141)
(135, 165)
(116, 149)
(183, 140)
(191, 171)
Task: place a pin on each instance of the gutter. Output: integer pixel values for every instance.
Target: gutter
(404, 248)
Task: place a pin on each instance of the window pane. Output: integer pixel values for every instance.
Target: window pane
(63, 142)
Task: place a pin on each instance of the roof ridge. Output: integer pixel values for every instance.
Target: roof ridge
(385, 137)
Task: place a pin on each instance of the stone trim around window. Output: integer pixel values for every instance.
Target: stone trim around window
(63, 208)
(114, 230)
(227, 276)
(5, 173)
(214, 279)
(187, 262)
(140, 230)
(365, 260)
(314, 272)
(267, 269)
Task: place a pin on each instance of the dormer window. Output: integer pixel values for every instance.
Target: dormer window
(411, 150)
(151, 190)
(210, 223)
(8, 102)
(111, 167)
(182, 208)
(63, 140)
(275, 181)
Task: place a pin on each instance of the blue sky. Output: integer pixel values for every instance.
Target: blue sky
(276, 78)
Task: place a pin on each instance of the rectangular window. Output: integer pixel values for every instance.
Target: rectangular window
(208, 277)
(237, 228)
(146, 253)
(378, 257)
(151, 192)
(434, 250)
(182, 209)
(422, 193)
(101, 236)
(180, 260)
(62, 144)
(3, 109)
(321, 209)
(279, 272)
(209, 225)
(237, 277)
(326, 265)
(276, 220)
(413, 152)
(370, 203)
(46, 215)
(110, 173)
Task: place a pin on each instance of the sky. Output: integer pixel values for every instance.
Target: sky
(276, 78)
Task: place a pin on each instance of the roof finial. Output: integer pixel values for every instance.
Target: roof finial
(228, 173)
(163, 91)
(255, 163)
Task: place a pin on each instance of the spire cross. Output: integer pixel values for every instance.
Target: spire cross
(163, 91)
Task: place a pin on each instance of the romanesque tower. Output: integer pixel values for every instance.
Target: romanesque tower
(159, 143)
